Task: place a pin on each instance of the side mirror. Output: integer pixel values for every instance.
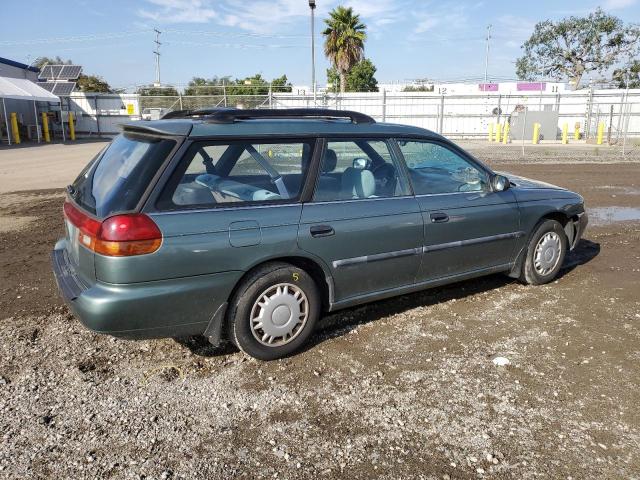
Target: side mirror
(500, 183)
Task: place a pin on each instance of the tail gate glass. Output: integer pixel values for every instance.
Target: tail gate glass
(117, 236)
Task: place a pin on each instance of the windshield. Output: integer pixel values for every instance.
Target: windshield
(115, 180)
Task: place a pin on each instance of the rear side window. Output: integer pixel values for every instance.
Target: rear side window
(115, 180)
(242, 172)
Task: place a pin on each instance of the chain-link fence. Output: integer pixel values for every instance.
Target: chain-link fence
(195, 102)
(601, 124)
(589, 124)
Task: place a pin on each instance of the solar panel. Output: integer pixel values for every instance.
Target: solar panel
(60, 72)
(48, 86)
(63, 89)
(55, 71)
(70, 72)
(45, 72)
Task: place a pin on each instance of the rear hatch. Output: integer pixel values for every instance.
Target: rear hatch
(114, 182)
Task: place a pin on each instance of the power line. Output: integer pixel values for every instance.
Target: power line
(71, 39)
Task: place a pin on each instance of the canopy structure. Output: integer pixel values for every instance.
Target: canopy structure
(23, 89)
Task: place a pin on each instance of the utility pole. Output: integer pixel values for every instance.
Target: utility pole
(157, 54)
(486, 61)
(312, 6)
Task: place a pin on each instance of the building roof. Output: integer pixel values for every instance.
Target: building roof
(23, 89)
(23, 66)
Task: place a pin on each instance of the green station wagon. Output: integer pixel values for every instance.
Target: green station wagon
(247, 225)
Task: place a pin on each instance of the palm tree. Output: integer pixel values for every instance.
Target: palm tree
(344, 41)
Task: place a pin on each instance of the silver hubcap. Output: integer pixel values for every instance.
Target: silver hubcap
(547, 253)
(279, 315)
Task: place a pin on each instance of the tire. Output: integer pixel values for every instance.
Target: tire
(545, 253)
(274, 311)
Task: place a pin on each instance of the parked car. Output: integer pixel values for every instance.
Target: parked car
(248, 224)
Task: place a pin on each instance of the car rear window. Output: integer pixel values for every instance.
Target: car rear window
(116, 179)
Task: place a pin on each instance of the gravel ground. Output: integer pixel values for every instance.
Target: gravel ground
(404, 388)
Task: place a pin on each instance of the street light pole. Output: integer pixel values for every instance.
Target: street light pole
(312, 6)
(486, 60)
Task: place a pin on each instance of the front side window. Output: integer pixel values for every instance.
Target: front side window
(238, 173)
(435, 169)
(358, 169)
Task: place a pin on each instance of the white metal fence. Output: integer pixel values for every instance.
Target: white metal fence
(456, 116)
(469, 116)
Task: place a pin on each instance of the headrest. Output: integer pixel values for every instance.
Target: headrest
(357, 183)
(329, 161)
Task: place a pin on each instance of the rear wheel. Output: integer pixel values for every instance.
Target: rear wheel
(274, 311)
(545, 253)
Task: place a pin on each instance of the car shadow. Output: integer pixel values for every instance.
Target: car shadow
(585, 251)
(344, 321)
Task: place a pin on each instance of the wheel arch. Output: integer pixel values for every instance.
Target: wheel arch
(313, 266)
(568, 225)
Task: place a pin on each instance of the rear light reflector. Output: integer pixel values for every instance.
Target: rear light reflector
(118, 236)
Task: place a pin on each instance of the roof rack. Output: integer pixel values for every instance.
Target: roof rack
(201, 112)
(230, 115)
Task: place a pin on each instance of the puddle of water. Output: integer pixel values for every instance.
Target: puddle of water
(608, 215)
(633, 190)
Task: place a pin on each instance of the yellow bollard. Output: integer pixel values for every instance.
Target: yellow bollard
(505, 133)
(498, 132)
(14, 128)
(491, 132)
(576, 131)
(600, 133)
(565, 133)
(536, 133)
(45, 127)
(72, 128)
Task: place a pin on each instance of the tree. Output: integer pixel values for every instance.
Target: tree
(628, 76)
(418, 88)
(93, 83)
(42, 61)
(152, 91)
(203, 86)
(574, 46)
(359, 79)
(344, 41)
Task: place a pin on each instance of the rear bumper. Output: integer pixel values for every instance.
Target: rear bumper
(167, 308)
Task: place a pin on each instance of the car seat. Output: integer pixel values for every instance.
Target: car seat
(358, 183)
(328, 185)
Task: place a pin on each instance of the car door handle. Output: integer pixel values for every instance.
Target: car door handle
(321, 231)
(439, 217)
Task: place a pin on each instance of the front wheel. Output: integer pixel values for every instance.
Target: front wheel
(274, 311)
(545, 253)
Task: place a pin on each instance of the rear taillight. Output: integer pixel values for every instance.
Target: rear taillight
(117, 236)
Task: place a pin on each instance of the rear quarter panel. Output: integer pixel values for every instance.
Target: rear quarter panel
(198, 242)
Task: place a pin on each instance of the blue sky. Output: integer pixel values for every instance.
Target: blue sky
(407, 39)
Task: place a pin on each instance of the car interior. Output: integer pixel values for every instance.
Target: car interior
(246, 173)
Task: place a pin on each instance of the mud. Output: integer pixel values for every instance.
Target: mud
(404, 388)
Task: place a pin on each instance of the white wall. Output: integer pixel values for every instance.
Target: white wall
(102, 113)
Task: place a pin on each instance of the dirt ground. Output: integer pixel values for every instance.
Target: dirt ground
(404, 388)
